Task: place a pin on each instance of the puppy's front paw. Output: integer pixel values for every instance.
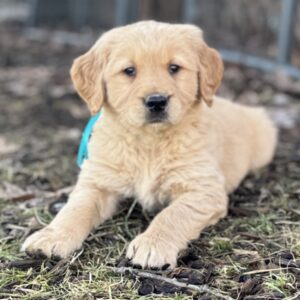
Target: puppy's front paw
(50, 242)
(148, 251)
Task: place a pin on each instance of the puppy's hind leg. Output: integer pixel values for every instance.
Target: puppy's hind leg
(87, 207)
(264, 138)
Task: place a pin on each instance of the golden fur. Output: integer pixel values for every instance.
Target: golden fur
(187, 164)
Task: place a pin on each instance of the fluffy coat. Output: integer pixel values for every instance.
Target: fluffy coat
(186, 165)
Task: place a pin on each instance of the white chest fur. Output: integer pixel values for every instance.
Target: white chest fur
(146, 187)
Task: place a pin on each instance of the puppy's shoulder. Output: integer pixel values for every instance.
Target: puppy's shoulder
(223, 105)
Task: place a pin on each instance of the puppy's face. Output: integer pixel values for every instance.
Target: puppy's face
(148, 73)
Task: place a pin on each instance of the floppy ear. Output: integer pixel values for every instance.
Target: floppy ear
(211, 73)
(87, 76)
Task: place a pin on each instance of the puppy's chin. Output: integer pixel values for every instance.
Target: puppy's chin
(157, 127)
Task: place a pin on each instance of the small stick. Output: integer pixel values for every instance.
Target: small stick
(269, 270)
(199, 288)
(57, 193)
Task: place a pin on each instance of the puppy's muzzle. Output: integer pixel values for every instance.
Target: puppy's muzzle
(156, 105)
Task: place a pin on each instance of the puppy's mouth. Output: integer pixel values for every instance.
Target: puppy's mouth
(161, 117)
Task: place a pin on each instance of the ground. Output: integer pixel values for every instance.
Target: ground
(251, 254)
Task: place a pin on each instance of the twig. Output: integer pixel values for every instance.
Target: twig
(287, 223)
(269, 270)
(131, 208)
(21, 264)
(128, 216)
(57, 193)
(39, 220)
(199, 288)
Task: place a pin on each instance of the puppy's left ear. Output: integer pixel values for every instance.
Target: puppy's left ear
(211, 73)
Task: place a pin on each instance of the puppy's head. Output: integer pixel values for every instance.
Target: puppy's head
(148, 72)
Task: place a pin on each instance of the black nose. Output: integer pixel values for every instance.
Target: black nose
(156, 103)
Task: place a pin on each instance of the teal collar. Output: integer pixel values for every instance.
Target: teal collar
(83, 152)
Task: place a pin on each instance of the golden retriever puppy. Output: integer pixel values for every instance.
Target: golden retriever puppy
(164, 139)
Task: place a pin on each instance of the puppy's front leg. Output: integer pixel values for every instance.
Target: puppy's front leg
(88, 206)
(182, 221)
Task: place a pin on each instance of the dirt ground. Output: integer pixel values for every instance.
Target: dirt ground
(254, 253)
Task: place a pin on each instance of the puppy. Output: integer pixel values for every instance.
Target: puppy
(164, 139)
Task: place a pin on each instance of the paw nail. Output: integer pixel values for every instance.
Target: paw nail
(56, 257)
(137, 266)
(39, 254)
(30, 254)
(165, 267)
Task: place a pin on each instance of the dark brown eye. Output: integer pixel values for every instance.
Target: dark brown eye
(130, 71)
(173, 69)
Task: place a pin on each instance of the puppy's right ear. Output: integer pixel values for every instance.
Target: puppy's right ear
(87, 76)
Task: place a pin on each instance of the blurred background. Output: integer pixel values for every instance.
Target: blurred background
(41, 115)
(42, 118)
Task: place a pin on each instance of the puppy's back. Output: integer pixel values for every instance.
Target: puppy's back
(247, 136)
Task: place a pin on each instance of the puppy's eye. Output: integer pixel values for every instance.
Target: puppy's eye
(173, 69)
(131, 71)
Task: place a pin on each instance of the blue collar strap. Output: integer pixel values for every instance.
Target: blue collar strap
(83, 152)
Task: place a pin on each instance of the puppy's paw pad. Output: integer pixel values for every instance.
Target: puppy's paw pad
(150, 252)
